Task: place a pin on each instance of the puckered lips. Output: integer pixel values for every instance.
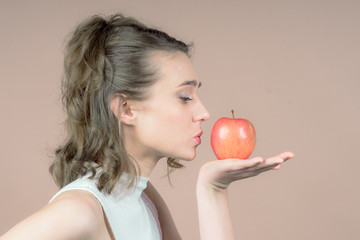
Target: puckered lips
(197, 137)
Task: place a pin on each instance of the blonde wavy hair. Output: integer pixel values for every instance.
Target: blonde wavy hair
(105, 57)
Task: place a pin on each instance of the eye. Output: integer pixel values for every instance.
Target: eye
(185, 99)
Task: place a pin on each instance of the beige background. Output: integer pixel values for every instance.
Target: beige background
(291, 67)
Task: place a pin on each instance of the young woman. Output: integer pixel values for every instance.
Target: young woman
(130, 94)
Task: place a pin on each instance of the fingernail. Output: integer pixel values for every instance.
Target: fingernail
(277, 167)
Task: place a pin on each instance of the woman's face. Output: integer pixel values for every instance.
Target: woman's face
(168, 122)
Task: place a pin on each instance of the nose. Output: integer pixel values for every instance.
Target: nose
(201, 113)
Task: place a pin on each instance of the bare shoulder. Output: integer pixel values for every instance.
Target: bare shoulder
(74, 214)
(78, 202)
(79, 205)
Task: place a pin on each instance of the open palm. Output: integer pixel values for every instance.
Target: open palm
(219, 174)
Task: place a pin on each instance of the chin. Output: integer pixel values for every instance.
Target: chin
(189, 157)
(185, 156)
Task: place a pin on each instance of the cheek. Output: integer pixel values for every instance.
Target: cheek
(168, 120)
(175, 115)
(159, 119)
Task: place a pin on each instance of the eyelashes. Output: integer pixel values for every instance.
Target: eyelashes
(185, 99)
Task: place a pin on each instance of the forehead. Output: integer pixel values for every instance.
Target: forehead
(174, 69)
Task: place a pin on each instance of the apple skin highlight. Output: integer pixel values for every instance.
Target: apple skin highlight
(233, 138)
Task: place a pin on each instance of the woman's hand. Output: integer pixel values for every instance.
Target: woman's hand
(217, 175)
(212, 197)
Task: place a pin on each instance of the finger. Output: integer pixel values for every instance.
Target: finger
(236, 164)
(277, 167)
(267, 164)
(286, 155)
(271, 167)
(256, 160)
(271, 162)
(258, 164)
(254, 172)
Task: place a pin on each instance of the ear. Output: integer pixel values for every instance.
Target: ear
(121, 107)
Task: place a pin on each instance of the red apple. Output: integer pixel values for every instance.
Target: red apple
(233, 138)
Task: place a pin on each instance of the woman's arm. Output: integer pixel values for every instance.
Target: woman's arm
(72, 215)
(168, 226)
(212, 196)
(214, 214)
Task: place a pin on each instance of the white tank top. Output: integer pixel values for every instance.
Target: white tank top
(131, 215)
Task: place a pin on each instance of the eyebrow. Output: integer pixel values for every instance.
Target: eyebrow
(190, 82)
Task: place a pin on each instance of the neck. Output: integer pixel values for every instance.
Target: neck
(146, 165)
(145, 158)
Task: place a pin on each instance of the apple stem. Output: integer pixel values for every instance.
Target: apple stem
(232, 111)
